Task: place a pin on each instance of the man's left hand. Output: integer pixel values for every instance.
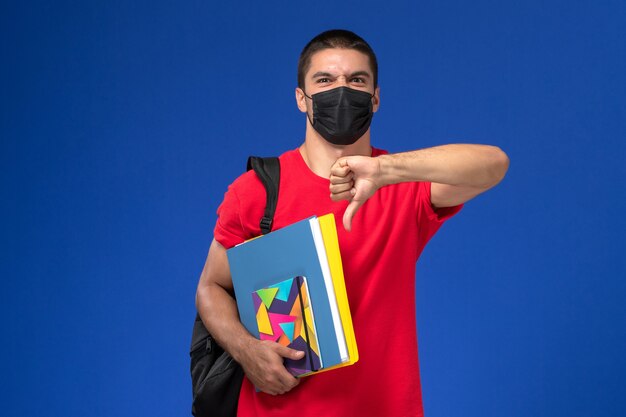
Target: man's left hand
(354, 178)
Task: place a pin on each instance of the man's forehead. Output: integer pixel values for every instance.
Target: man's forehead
(339, 61)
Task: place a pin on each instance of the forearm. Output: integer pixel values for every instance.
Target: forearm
(479, 166)
(218, 311)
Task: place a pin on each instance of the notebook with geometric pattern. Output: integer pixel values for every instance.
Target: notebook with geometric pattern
(284, 315)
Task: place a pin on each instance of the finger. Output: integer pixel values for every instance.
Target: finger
(279, 381)
(340, 171)
(287, 381)
(346, 195)
(341, 188)
(349, 214)
(334, 179)
(271, 390)
(340, 167)
(286, 352)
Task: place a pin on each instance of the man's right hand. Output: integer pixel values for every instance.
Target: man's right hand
(262, 361)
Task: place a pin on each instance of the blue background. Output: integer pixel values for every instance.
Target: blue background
(122, 123)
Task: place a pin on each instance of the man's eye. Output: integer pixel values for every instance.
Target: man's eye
(323, 80)
(357, 80)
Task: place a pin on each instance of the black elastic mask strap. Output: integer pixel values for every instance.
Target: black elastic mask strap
(307, 113)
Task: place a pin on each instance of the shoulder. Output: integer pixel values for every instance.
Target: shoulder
(242, 207)
(246, 185)
(249, 184)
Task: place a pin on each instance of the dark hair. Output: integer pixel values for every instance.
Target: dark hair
(336, 38)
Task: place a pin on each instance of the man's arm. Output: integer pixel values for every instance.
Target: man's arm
(458, 173)
(262, 361)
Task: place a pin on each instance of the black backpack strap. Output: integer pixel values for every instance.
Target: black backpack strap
(268, 171)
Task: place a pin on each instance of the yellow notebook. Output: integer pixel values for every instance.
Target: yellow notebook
(331, 244)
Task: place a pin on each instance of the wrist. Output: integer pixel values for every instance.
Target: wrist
(385, 170)
(243, 346)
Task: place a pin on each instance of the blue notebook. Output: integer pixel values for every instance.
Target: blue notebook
(284, 254)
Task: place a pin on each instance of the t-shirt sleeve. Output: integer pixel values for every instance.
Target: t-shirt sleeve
(430, 219)
(229, 228)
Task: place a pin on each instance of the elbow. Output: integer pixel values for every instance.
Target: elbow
(202, 295)
(498, 166)
(207, 292)
(198, 298)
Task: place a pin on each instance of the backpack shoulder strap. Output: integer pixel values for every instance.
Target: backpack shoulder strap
(268, 171)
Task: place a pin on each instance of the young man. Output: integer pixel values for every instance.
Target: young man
(390, 206)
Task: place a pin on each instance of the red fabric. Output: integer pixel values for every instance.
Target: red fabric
(388, 234)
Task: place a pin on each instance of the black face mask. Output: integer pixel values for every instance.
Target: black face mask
(342, 115)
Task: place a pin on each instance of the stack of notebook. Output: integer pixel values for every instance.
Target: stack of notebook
(290, 289)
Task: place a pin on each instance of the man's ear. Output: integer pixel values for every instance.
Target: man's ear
(376, 100)
(300, 100)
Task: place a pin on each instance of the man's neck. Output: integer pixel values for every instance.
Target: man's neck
(320, 155)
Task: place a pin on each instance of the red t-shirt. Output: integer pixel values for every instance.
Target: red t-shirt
(388, 234)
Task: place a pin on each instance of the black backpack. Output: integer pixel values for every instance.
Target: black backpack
(216, 377)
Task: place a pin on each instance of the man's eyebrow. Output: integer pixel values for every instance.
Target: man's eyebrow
(322, 74)
(360, 74)
(354, 74)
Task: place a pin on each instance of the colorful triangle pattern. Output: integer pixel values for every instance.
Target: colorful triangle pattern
(267, 295)
(282, 310)
(263, 320)
(283, 289)
(288, 330)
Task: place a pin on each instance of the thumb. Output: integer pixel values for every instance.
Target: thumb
(286, 352)
(349, 214)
